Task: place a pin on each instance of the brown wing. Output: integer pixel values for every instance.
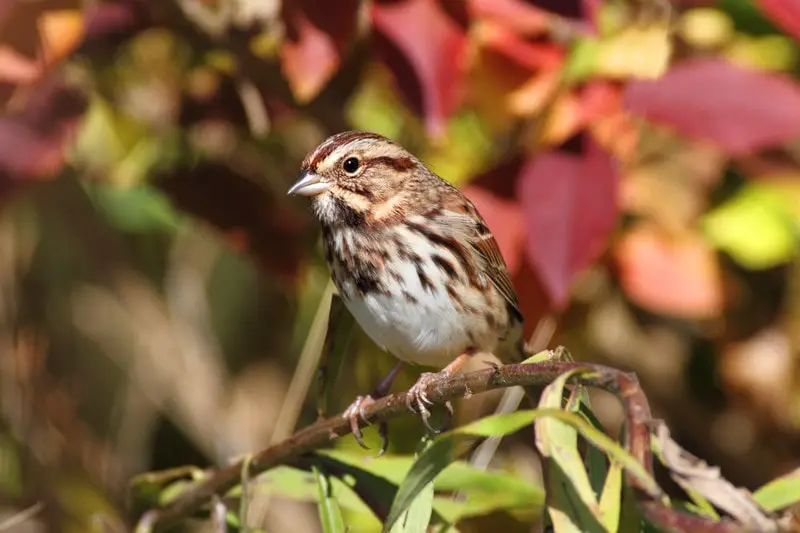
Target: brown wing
(462, 219)
(486, 246)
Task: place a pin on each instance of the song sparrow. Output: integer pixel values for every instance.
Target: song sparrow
(412, 259)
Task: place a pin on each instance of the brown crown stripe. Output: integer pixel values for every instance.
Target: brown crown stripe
(335, 142)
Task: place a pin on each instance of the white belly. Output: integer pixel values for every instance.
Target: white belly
(418, 324)
(428, 331)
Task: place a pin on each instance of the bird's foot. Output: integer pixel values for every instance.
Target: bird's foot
(355, 412)
(417, 399)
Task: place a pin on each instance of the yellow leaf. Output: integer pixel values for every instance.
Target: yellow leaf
(635, 52)
(706, 27)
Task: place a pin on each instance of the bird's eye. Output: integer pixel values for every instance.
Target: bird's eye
(351, 165)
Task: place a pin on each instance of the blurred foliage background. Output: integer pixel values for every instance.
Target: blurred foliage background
(638, 162)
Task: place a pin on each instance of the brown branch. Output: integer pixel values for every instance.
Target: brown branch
(624, 385)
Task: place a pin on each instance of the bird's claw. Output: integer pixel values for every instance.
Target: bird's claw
(355, 412)
(418, 401)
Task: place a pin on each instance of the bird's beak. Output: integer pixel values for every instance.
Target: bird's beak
(309, 184)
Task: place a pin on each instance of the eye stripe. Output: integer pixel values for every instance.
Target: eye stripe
(400, 164)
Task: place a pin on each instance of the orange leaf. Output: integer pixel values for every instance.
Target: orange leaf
(673, 275)
(519, 16)
(534, 55)
(608, 121)
(61, 32)
(565, 120)
(317, 33)
(310, 61)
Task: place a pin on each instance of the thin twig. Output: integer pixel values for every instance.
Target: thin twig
(22, 516)
(625, 386)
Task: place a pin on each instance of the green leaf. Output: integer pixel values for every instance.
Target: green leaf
(581, 62)
(630, 515)
(757, 226)
(434, 458)
(329, 513)
(571, 503)
(441, 451)
(482, 492)
(779, 493)
(244, 503)
(137, 209)
(418, 515)
(495, 426)
(465, 149)
(375, 106)
(539, 357)
(611, 498)
(296, 484)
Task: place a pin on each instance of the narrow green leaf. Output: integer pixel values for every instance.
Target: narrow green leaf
(559, 441)
(329, 513)
(244, 502)
(483, 492)
(293, 483)
(436, 456)
(433, 460)
(596, 466)
(495, 426)
(630, 518)
(539, 357)
(571, 502)
(441, 451)
(567, 512)
(418, 515)
(780, 493)
(611, 498)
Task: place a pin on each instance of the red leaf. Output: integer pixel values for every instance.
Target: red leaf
(114, 20)
(26, 153)
(434, 47)
(677, 276)
(316, 36)
(570, 207)
(33, 141)
(504, 218)
(785, 13)
(741, 110)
